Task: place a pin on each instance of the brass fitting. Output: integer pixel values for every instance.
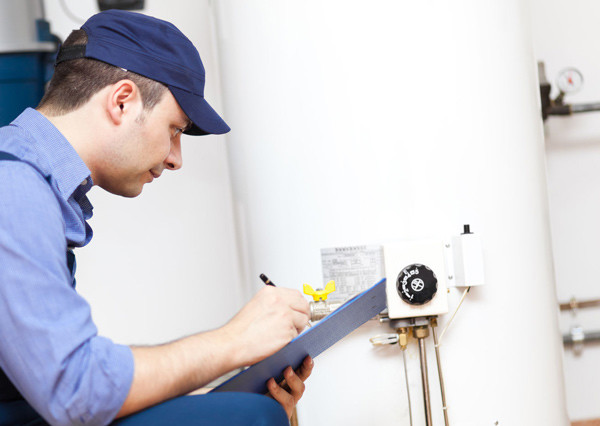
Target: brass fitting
(402, 337)
(420, 331)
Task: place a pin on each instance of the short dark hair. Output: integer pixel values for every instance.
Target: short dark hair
(75, 81)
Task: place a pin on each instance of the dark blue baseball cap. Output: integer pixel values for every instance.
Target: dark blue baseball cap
(155, 49)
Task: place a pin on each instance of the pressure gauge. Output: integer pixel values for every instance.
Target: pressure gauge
(569, 80)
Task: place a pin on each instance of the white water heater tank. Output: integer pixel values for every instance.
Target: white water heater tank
(369, 122)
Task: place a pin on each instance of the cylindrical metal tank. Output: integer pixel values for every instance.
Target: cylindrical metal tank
(368, 122)
(26, 56)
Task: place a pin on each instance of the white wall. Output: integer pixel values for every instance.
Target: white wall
(566, 34)
(164, 264)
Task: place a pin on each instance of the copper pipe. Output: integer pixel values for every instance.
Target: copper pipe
(577, 304)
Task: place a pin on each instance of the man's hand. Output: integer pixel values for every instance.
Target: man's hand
(289, 392)
(267, 323)
(273, 317)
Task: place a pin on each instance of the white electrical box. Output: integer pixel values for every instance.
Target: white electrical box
(467, 261)
(416, 279)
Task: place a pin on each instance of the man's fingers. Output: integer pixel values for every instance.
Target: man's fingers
(305, 369)
(282, 396)
(296, 301)
(295, 384)
(291, 388)
(300, 320)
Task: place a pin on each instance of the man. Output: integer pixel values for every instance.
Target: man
(126, 86)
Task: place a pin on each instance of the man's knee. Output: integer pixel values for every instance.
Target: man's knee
(261, 410)
(222, 408)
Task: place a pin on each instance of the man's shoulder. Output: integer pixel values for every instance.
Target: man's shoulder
(25, 193)
(15, 138)
(16, 142)
(21, 169)
(16, 175)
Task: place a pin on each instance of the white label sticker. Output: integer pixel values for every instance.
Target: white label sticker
(354, 269)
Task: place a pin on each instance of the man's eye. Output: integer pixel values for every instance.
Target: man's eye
(177, 131)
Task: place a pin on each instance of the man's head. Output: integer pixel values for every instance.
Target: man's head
(154, 49)
(74, 82)
(139, 82)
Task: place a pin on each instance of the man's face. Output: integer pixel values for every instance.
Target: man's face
(150, 144)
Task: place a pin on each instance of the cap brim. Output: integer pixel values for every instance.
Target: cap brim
(205, 119)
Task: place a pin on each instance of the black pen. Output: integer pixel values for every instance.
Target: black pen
(267, 281)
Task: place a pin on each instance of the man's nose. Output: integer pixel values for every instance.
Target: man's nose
(174, 161)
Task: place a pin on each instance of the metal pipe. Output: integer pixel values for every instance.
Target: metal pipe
(585, 107)
(581, 337)
(420, 332)
(568, 109)
(439, 367)
(407, 386)
(573, 304)
(425, 381)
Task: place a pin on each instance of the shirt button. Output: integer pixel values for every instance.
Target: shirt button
(84, 183)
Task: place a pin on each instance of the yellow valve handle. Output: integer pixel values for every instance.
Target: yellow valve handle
(319, 294)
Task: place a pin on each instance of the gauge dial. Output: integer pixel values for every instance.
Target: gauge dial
(569, 80)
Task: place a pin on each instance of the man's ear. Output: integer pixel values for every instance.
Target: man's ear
(123, 100)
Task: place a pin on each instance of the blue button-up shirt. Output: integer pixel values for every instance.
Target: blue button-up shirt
(49, 345)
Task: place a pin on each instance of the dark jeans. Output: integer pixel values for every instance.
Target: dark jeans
(222, 408)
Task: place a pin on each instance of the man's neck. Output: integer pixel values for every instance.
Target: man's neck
(80, 130)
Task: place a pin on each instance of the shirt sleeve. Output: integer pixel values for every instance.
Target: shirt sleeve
(49, 346)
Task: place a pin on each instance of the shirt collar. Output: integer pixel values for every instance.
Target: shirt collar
(65, 165)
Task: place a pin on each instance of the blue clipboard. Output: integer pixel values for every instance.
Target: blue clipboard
(313, 341)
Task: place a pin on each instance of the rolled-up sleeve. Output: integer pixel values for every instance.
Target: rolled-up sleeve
(49, 345)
